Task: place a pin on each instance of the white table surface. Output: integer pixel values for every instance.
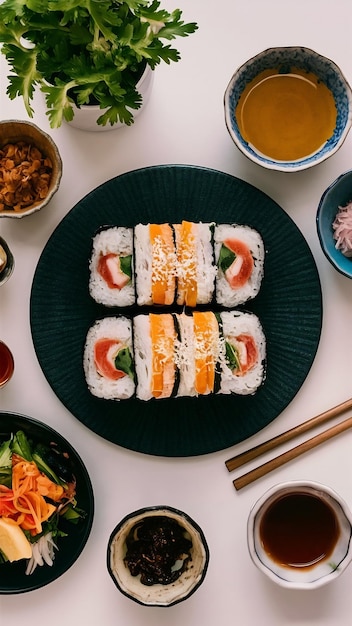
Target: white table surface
(184, 124)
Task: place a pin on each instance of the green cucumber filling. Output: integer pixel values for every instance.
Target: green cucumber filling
(232, 357)
(124, 362)
(126, 265)
(226, 258)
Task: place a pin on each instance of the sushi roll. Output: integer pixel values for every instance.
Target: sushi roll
(155, 264)
(111, 280)
(155, 338)
(244, 353)
(195, 263)
(239, 257)
(108, 359)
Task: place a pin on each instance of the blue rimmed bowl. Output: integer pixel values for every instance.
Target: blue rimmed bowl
(283, 58)
(338, 194)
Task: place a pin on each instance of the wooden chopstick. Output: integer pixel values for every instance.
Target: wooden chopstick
(253, 453)
(260, 471)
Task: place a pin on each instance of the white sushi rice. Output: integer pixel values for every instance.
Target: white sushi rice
(119, 328)
(206, 270)
(235, 323)
(185, 355)
(143, 264)
(225, 295)
(143, 356)
(117, 240)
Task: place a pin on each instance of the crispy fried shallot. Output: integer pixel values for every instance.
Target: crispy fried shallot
(25, 175)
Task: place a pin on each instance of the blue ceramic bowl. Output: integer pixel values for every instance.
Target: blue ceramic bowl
(284, 58)
(339, 193)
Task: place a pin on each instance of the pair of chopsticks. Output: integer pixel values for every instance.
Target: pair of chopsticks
(271, 444)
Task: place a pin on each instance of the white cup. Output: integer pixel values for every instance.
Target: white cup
(285, 516)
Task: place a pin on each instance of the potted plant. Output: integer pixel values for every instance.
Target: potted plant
(86, 52)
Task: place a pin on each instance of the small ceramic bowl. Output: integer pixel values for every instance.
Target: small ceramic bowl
(287, 60)
(7, 364)
(13, 132)
(171, 590)
(7, 262)
(338, 194)
(292, 512)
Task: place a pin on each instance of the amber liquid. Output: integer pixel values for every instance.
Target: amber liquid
(299, 530)
(286, 116)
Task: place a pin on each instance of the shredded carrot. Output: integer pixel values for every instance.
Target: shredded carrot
(26, 501)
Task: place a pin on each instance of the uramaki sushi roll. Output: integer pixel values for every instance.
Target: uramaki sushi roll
(155, 264)
(195, 263)
(239, 256)
(111, 278)
(155, 338)
(244, 353)
(108, 359)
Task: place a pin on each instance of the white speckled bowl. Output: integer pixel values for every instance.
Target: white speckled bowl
(324, 571)
(12, 131)
(302, 58)
(157, 594)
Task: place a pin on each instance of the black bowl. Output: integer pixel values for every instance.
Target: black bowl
(13, 578)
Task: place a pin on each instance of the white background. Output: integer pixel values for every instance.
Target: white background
(184, 123)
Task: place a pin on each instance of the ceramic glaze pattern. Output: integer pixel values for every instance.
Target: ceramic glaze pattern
(285, 59)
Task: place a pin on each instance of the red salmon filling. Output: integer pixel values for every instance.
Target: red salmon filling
(109, 269)
(246, 352)
(241, 268)
(105, 352)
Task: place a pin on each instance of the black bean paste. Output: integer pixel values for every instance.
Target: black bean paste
(158, 550)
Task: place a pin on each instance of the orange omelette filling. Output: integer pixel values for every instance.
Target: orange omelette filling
(187, 265)
(206, 338)
(163, 337)
(163, 263)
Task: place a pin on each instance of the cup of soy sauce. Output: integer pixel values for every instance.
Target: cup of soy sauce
(299, 534)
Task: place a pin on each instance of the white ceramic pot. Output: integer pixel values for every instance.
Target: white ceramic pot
(85, 117)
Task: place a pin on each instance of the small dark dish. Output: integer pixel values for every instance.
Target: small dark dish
(170, 592)
(339, 193)
(13, 579)
(7, 262)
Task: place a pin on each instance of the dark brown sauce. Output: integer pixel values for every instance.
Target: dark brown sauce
(6, 364)
(299, 530)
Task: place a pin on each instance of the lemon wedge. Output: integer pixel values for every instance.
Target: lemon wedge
(13, 542)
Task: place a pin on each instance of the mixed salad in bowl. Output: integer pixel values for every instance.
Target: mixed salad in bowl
(46, 504)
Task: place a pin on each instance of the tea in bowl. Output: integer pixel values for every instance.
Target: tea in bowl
(299, 534)
(288, 108)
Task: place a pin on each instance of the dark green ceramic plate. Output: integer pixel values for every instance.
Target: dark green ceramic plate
(13, 578)
(289, 306)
